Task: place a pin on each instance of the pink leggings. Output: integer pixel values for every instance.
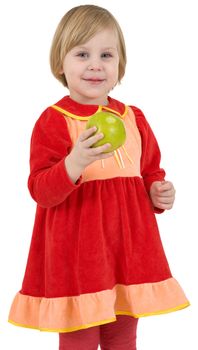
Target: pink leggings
(119, 335)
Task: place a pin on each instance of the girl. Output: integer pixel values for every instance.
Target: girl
(96, 262)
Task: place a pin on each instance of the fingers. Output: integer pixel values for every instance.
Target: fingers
(169, 193)
(165, 200)
(103, 155)
(87, 141)
(92, 139)
(87, 133)
(163, 194)
(85, 153)
(98, 150)
(165, 206)
(165, 186)
(165, 189)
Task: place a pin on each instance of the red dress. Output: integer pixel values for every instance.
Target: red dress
(96, 251)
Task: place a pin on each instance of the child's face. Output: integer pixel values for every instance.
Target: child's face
(91, 69)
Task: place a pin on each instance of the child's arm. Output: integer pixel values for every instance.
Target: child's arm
(161, 192)
(48, 182)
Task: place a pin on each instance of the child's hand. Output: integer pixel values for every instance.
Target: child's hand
(83, 154)
(162, 194)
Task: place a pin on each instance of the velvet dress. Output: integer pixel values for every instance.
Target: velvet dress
(96, 250)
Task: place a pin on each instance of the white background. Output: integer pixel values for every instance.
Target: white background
(161, 79)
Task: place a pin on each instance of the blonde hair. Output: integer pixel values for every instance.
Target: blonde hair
(77, 27)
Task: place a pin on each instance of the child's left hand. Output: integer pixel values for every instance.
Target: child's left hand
(162, 194)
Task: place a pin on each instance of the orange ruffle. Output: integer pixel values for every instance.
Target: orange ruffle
(67, 314)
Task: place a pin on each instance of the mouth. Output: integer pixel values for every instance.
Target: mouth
(94, 81)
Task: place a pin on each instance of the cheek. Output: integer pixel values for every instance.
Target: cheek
(114, 72)
(68, 70)
(73, 70)
(67, 65)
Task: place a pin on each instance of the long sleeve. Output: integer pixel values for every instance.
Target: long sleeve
(48, 182)
(151, 156)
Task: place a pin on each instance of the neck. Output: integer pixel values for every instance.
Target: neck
(102, 101)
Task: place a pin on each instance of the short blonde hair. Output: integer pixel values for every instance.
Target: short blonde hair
(77, 27)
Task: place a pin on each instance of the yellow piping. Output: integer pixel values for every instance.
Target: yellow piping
(125, 112)
(110, 110)
(100, 108)
(117, 159)
(183, 306)
(129, 158)
(64, 330)
(71, 115)
(121, 160)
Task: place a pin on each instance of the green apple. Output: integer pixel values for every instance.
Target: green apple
(111, 126)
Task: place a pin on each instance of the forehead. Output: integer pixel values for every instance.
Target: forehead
(106, 38)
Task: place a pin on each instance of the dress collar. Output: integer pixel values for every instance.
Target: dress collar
(80, 111)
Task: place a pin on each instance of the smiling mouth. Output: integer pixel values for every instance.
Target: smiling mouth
(94, 80)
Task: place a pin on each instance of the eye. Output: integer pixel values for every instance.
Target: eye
(82, 54)
(106, 55)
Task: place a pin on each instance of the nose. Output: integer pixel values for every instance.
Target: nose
(95, 65)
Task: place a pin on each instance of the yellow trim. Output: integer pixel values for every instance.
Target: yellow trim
(100, 108)
(125, 111)
(117, 159)
(71, 115)
(110, 110)
(102, 163)
(64, 330)
(129, 158)
(180, 307)
(22, 325)
(72, 329)
(120, 157)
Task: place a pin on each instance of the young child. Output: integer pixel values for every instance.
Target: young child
(96, 262)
